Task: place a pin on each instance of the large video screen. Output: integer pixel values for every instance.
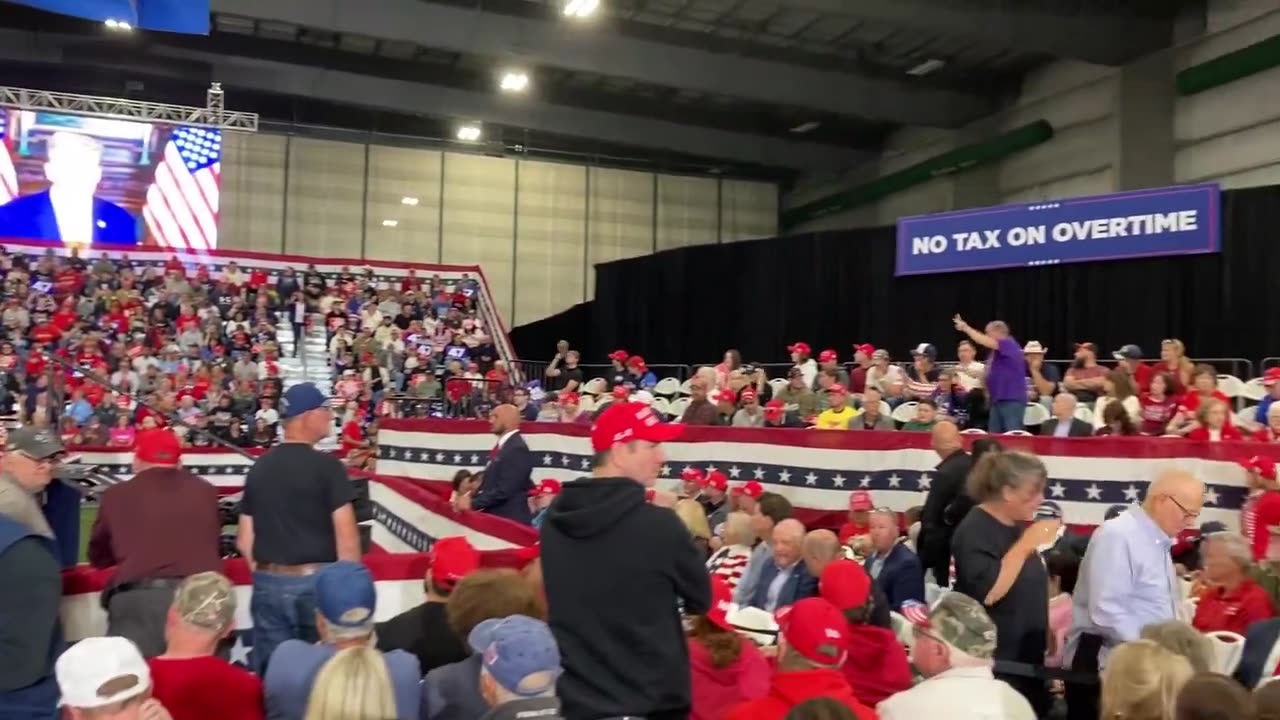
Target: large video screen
(91, 182)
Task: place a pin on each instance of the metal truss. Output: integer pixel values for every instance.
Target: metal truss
(213, 116)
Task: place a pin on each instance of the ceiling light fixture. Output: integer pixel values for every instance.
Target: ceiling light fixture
(390, 223)
(580, 8)
(119, 25)
(515, 81)
(410, 201)
(805, 127)
(931, 65)
(469, 133)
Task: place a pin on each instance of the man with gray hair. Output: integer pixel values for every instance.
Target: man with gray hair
(785, 579)
(1064, 422)
(955, 649)
(345, 604)
(1231, 600)
(190, 679)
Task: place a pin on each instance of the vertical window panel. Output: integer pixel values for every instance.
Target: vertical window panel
(550, 239)
(404, 189)
(619, 218)
(251, 200)
(479, 220)
(326, 198)
(688, 211)
(748, 210)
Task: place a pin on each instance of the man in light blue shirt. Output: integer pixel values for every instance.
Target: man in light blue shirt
(770, 510)
(1127, 580)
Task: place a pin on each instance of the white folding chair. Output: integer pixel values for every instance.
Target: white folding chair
(1254, 389)
(1231, 386)
(1244, 416)
(778, 384)
(1085, 414)
(1228, 648)
(1035, 414)
(973, 431)
(677, 407)
(586, 403)
(595, 386)
(667, 386)
(906, 412)
(685, 388)
(661, 405)
(968, 382)
(1016, 432)
(885, 409)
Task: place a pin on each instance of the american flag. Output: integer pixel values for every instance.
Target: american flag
(8, 175)
(182, 202)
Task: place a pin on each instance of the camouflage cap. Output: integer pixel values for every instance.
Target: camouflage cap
(961, 622)
(39, 443)
(206, 600)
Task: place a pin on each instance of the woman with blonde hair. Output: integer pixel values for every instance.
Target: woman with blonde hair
(730, 561)
(1183, 640)
(353, 685)
(694, 518)
(1142, 681)
(1174, 360)
(1213, 423)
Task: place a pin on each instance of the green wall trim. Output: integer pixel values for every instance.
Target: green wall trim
(1224, 69)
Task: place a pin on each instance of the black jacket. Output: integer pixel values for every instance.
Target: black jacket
(424, 631)
(935, 528)
(508, 478)
(1079, 428)
(615, 569)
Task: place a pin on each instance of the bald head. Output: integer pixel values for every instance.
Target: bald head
(821, 547)
(946, 438)
(1174, 500)
(504, 419)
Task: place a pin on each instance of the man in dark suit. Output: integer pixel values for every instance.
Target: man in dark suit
(785, 579)
(934, 542)
(892, 564)
(68, 210)
(509, 475)
(1064, 422)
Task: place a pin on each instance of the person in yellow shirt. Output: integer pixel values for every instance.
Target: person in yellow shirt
(838, 413)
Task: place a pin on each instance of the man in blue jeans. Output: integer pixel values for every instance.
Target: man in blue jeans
(296, 517)
(1006, 374)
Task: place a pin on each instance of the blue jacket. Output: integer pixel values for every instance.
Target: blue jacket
(797, 587)
(1259, 638)
(452, 692)
(507, 480)
(32, 216)
(901, 576)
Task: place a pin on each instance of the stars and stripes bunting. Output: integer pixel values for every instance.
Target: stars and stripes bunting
(817, 470)
(182, 202)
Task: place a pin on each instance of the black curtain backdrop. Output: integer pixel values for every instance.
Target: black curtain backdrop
(836, 288)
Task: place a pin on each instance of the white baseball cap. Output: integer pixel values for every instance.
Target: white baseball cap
(101, 671)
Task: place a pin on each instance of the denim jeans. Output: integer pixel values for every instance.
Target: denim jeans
(35, 702)
(1007, 415)
(283, 607)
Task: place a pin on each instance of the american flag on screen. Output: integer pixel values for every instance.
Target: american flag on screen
(8, 175)
(182, 202)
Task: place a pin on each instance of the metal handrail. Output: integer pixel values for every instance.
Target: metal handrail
(170, 416)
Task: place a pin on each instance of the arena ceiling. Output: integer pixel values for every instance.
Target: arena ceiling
(756, 88)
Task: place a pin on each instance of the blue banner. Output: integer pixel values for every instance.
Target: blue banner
(178, 16)
(1164, 221)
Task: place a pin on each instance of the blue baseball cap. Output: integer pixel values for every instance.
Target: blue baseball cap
(519, 652)
(345, 595)
(301, 398)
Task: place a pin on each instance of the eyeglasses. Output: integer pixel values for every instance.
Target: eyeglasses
(1186, 514)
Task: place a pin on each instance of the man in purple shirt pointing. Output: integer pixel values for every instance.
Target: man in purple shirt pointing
(1006, 374)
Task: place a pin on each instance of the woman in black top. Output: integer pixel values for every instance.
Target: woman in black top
(997, 563)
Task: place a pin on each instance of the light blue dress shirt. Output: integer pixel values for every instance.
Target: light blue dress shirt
(760, 556)
(1126, 582)
(775, 587)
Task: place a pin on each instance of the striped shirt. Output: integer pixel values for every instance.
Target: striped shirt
(730, 562)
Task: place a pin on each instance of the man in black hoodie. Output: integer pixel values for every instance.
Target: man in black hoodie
(615, 568)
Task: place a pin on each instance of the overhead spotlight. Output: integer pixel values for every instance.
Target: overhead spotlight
(927, 67)
(390, 223)
(515, 81)
(469, 133)
(805, 127)
(118, 25)
(406, 200)
(580, 8)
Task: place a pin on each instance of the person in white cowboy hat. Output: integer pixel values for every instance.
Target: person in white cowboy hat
(1042, 379)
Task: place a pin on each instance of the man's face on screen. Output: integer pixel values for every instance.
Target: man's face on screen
(74, 164)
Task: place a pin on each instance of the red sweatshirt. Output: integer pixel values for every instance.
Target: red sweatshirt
(877, 665)
(716, 689)
(792, 688)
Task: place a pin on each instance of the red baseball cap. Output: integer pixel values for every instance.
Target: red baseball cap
(1264, 466)
(816, 629)
(158, 446)
(690, 474)
(629, 421)
(715, 479)
(548, 486)
(1271, 377)
(721, 604)
(569, 398)
(750, 488)
(800, 347)
(749, 393)
(844, 584)
(865, 348)
(620, 392)
(860, 500)
(828, 356)
(837, 389)
(774, 409)
(619, 355)
(636, 361)
(726, 395)
(452, 559)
